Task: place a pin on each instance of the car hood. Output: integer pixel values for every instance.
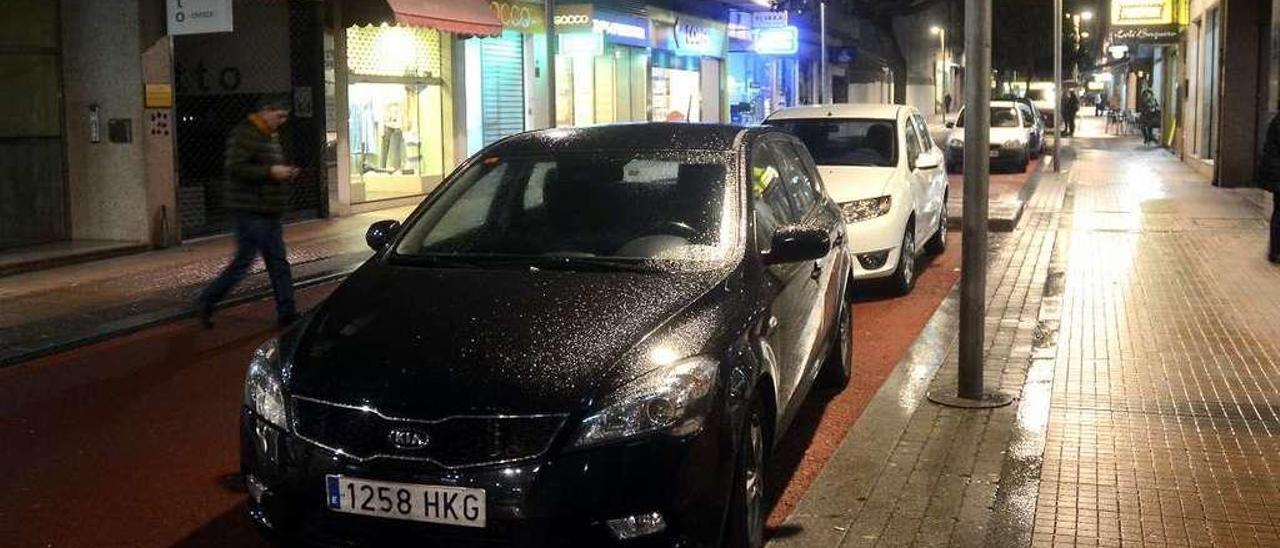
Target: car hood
(437, 342)
(849, 183)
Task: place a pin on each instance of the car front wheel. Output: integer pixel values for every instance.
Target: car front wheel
(838, 367)
(938, 243)
(904, 278)
(746, 510)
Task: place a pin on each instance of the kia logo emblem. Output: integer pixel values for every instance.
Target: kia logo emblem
(408, 438)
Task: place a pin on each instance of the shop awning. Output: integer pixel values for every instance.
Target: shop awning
(473, 17)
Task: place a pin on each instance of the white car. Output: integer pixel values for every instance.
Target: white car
(879, 163)
(1012, 136)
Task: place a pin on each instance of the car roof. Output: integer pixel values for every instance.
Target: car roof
(872, 111)
(627, 136)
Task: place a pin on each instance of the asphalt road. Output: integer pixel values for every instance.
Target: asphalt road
(132, 441)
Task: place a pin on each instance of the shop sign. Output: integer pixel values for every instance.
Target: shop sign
(698, 38)
(777, 41)
(627, 30)
(157, 96)
(739, 27)
(573, 17)
(769, 20)
(519, 16)
(1142, 12)
(199, 16)
(1149, 34)
(581, 44)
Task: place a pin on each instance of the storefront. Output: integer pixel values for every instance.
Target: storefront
(687, 75)
(502, 77)
(602, 66)
(399, 137)
(763, 67)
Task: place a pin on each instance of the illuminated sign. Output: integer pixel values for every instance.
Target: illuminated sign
(777, 41)
(1142, 12)
(519, 16)
(622, 29)
(769, 20)
(584, 44)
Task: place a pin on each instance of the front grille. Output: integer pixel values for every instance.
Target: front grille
(454, 442)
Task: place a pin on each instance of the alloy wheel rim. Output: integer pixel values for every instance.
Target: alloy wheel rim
(753, 483)
(846, 340)
(908, 256)
(942, 223)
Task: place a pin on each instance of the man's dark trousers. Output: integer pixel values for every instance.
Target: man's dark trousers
(256, 234)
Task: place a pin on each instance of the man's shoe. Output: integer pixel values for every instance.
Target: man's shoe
(288, 319)
(205, 313)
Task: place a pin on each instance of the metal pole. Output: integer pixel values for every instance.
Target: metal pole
(550, 22)
(824, 95)
(977, 168)
(1058, 115)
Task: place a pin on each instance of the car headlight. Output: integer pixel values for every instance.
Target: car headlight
(263, 391)
(672, 398)
(1014, 144)
(870, 208)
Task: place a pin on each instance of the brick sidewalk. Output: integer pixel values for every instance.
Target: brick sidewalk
(54, 309)
(1136, 317)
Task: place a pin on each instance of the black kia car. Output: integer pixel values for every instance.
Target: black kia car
(584, 337)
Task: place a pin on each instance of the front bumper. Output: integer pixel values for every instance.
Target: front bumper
(562, 499)
(875, 245)
(1002, 155)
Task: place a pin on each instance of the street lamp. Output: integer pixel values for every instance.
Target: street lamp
(1086, 16)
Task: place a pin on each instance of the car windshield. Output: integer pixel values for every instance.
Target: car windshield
(846, 142)
(1000, 117)
(604, 210)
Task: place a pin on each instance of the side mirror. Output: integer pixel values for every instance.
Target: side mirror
(928, 161)
(951, 125)
(796, 243)
(381, 233)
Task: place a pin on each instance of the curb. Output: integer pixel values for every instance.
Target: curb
(1004, 217)
(144, 320)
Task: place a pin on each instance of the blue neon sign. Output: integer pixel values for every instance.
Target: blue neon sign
(777, 41)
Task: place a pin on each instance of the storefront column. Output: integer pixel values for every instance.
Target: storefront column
(340, 197)
(1239, 111)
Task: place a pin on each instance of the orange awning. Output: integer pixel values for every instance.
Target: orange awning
(457, 16)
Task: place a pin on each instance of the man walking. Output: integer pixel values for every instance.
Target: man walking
(257, 195)
(1270, 172)
(1070, 107)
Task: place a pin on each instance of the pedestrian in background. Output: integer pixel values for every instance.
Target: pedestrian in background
(257, 195)
(1149, 117)
(1070, 107)
(1100, 107)
(946, 103)
(1270, 174)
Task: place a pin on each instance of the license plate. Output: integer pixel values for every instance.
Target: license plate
(995, 154)
(406, 501)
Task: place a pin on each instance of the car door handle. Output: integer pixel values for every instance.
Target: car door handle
(769, 326)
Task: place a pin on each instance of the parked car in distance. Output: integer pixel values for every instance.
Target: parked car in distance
(584, 337)
(881, 165)
(1037, 142)
(1012, 131)
(1043, 97)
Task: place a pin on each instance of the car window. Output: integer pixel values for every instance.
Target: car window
(913, 145)
(768, 195)
(799, 184)
(1000, 117)
(846, 142)
(811, 169)
(667, 206)
(926, 143)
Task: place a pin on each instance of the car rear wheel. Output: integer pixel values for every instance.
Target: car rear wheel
(938, 243)
(904, 278)
(838, 367)
(746, 508)
(1026, 160)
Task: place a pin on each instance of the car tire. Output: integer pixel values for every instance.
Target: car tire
(1026, 161)
(938, 243)
(838, 367)
(904, 277)
(746, 505)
